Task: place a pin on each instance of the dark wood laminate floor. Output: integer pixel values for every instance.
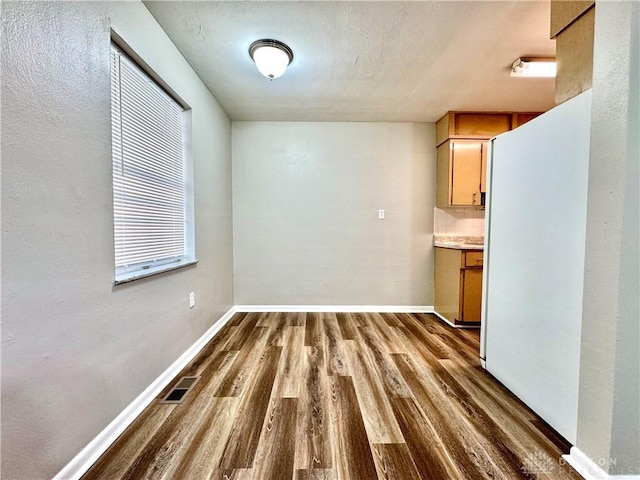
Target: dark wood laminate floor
(358, 396)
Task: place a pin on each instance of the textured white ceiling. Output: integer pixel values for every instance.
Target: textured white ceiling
(365, 61)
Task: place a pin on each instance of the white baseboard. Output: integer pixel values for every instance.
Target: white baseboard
(79, 465)
(448, 322)
(589, 469)
(336, 308)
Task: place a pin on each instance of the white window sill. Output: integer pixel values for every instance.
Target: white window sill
(131, 276)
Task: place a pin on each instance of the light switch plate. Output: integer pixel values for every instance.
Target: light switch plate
(192, 299)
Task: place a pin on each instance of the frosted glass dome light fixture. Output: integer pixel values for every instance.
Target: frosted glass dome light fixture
(271, 57)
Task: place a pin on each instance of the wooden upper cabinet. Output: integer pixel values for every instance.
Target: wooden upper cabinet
(472, 125)
(459, 173)
(466, 170)
(520, 118)
(443, 175)
(462, 140)
(481, 125)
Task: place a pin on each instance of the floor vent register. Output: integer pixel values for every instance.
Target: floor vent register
(179, 390)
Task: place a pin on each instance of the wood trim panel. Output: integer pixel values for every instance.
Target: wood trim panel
(447, 282)
(565, 12)
(442, 128)
(574, 54)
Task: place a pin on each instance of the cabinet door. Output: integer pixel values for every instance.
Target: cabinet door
(478, 125)
(471, 295)
(483, 175)
(447, 282)
(466, 161)
(521, 118)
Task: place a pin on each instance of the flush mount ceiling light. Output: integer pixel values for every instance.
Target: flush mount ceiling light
(534, 67)
(271, 57)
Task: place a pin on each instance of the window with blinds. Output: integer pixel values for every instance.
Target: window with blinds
(149, 173)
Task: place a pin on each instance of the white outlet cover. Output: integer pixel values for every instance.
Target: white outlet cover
(381, 214)
(192, 299)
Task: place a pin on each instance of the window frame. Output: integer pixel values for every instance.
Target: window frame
(146, 268)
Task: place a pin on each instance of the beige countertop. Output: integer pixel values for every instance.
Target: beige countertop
(459, 242)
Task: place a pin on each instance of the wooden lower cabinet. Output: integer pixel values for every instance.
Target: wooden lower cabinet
(470, 294)
(458, 285)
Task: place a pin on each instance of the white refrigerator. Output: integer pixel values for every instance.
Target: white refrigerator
(534, 260)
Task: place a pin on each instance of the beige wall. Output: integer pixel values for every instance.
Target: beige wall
(75, 349)
(306, 200)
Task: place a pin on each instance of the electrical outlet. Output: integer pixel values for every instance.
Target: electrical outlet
(192, 299)
(381, 214)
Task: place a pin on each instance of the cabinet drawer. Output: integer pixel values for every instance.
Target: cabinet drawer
(473, 259)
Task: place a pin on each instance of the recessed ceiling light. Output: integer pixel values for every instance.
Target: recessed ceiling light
(534, 67)
(271, 57)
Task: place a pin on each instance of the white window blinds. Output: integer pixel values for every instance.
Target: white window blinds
(148, 170)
